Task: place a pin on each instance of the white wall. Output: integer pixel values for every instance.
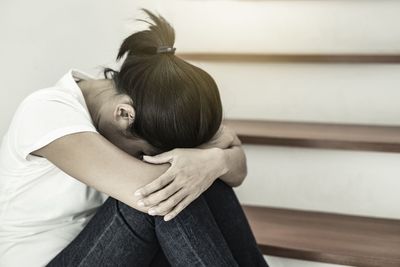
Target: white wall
(313, 26)
(41, 40)
(363, 183)
(346, 93)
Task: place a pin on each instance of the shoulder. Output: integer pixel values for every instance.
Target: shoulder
(52, 102)
(46, 115)
(49, 94)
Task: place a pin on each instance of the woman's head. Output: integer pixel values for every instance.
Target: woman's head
(175, 103)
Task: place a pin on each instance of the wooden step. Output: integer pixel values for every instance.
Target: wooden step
(326, 237)
(318, 135)
(292, 58)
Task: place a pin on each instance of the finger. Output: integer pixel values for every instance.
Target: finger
(156, 185)
(178, 208)
(157, 197)
(159, 159)
(166, 206)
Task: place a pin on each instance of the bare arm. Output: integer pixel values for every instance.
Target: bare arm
(235, 159)
(222, 157)
(93, 160)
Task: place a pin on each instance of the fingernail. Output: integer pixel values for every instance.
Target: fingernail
(141, 203)
(152, 212)
(167, 218)
(138, 193)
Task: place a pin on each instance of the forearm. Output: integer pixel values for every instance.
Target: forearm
(94, 161)
(123, 185)
(192, 172)
(233, 157)
(235, 160)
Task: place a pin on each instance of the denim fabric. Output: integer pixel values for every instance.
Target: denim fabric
(211, 231)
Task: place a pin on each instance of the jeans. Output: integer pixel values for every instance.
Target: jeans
(211, 231)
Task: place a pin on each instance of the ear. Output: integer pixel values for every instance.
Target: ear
(124, 116)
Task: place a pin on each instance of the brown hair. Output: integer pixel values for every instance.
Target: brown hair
(176, 103)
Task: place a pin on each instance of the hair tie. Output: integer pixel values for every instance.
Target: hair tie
(166, 50)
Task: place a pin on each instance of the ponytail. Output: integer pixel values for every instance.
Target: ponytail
(176, 103)
(147, 42)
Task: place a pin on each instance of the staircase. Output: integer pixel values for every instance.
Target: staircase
(285, 63)
(319, 236)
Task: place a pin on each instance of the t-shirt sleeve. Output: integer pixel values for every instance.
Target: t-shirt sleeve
(43, 118)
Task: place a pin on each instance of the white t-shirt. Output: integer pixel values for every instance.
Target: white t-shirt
(42, 209)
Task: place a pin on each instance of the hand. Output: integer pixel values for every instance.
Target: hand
(224, 138)
(192, 171)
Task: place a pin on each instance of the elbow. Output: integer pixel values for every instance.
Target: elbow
(241, 178)
(238, 169)
(236, 183)
(241, 175)
(235, 180)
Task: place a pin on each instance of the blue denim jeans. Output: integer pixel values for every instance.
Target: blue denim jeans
(211, 231)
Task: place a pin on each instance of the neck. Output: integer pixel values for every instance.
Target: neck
(97, 94)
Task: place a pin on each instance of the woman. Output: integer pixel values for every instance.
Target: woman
(75, 192)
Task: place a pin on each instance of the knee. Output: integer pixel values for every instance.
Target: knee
(196, 208)
(219, 186)
(130, 214)
(220, 192)
(216, 192)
